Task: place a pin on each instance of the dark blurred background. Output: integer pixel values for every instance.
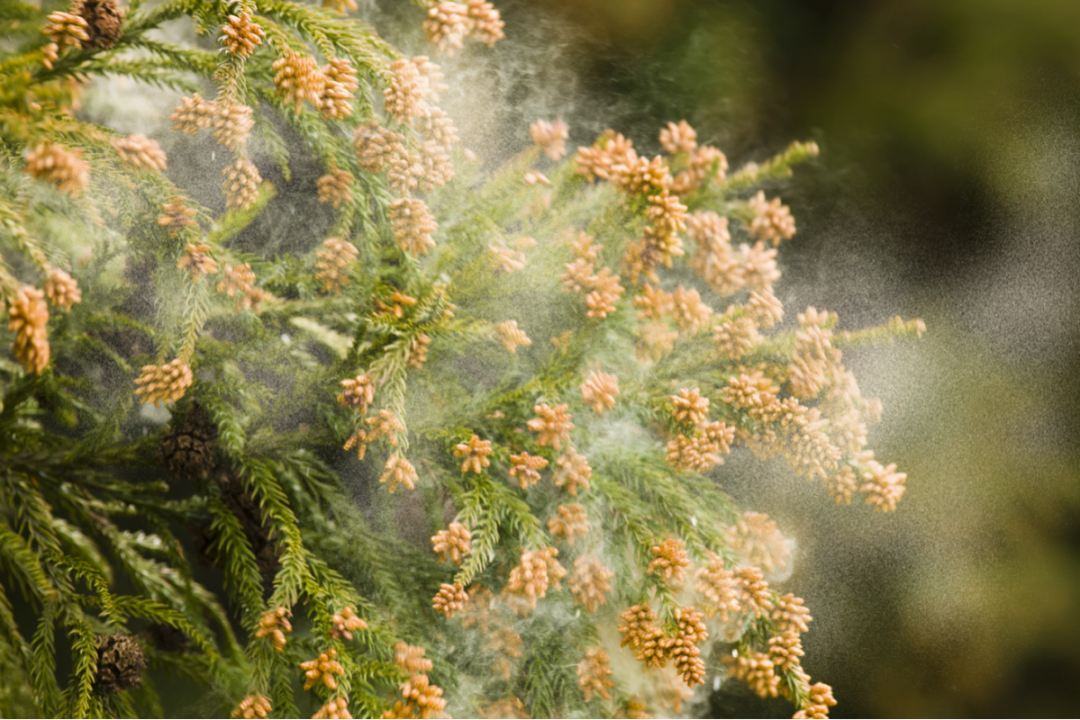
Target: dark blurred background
(947, 189)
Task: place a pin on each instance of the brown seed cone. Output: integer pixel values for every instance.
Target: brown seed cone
(553, 426)
(239, 284)
(241, 185)
(398, 471)
(599, 391)
(241, 36)
(359, 393)
(404, 98)
(332, 266)
(166, 383)
(336, 709)
(104, 20)
(590, 582)
(298, 78)
(50, 54)
(446, 26)
(231, 124)
(754, 591)
(569, 522)
(670, 561)
(340, 6)
(453, 543)
(345, 622)
(376, 146)
(28, 319)
(60, 166)
(274, 624)
(791, 615)
(678, 138)
(323, 670)
(509, 708)
(485, 23)
(475, 452)
(252, 707)
(594, 673)
(638, 626)
(418, 349)
(785, 650)
(192, 114)
(188, 450)
(572, 471)
(120, 663)
(450, 599)
(410, 658)
(437, 127)
(683, 648)
(718, 588)
(756, 670)
(141, 152)
(335, 100)
(532, 577)
(635, 709)
(61, 289)
(551, 136)
(511, 336)
(424, 697)
(197, 261)
(335, 188)
(525, 468)
(412, 225)
(177, 216)
(65, 29)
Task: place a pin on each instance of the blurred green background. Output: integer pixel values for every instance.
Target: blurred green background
(947, 189)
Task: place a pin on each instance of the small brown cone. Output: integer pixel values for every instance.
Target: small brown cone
(241, 185)
(334, 259)
(177, 216)
(120, 663)
(252, 707)
(28, 319)
(188, 450)
(141, 152)
(166, 383)
(61, 289)
(62, 167)
(241, 36)
(104, 20)
(65, 29)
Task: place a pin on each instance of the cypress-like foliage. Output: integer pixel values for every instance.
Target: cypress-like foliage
(540, 368)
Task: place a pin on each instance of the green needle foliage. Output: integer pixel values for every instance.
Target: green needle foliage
(525, 370)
